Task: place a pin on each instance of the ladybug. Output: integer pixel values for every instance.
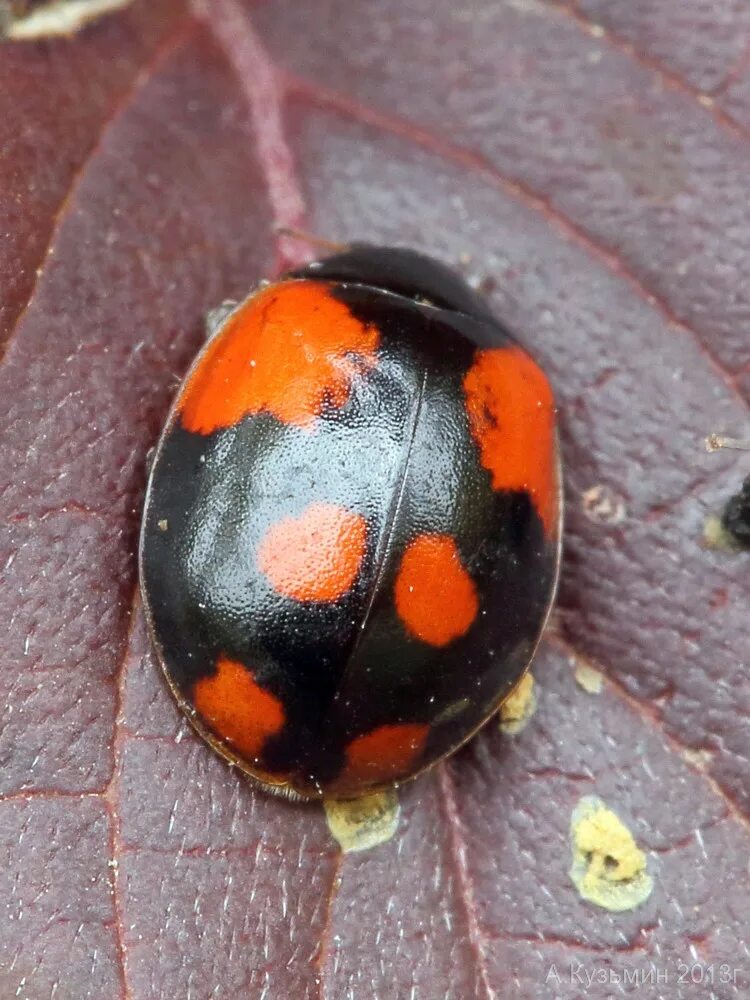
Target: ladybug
(351, 535)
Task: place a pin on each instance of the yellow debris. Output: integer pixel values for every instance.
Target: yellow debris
(609, 869)
(519, 706)
(588, 678)
(359, 824)
(715, 536)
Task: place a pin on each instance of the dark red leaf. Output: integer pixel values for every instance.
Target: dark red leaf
(587, 164)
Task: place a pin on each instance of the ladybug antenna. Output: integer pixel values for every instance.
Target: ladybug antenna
(714, 442)
(314, 241)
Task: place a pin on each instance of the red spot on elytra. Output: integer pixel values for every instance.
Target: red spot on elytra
(316, 556)
(286, 351)
(512, 416)
(435, 597)
(386, 753)
(234, 707)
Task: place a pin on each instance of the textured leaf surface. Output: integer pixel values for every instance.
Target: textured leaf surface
(587, 165)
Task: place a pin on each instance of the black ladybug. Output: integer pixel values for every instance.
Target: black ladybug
(351, 536)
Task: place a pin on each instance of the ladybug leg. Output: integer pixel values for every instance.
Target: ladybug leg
(216, 318)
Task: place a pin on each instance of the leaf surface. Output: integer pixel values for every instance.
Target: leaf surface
(586, 164)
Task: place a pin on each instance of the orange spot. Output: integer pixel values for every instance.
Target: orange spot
(236, 708)
(316, 556)
(386, 753)
(512, 416)
(287, 351)
(435, 596)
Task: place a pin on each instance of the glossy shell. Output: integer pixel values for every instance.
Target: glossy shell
(351, 534)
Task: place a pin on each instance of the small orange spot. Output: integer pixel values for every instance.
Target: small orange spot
(384, 754)
(512, 416)
(236, 708)
(316, 556)
(287, 351)
(435, 596)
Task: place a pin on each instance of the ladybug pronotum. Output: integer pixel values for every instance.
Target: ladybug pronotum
(351, 535)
